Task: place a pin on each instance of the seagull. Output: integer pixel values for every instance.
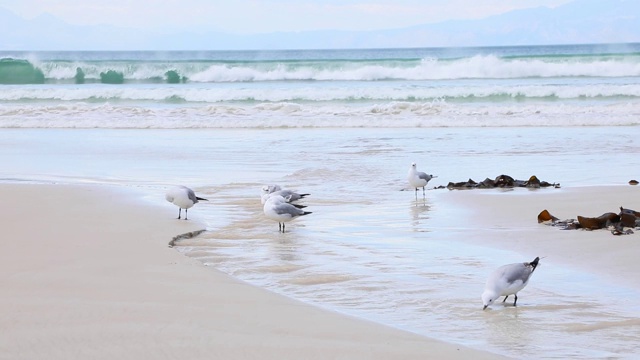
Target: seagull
(183, 198)
(268, 189)
(277, 209)
(507, 280)
(266, 197)
(418, 179)
(288, 195)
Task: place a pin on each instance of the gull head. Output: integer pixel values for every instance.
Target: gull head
(488, 297)
(268, 189)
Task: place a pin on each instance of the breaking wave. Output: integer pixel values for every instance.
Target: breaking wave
(474, 67)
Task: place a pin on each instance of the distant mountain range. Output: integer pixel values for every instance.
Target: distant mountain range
(577, 22)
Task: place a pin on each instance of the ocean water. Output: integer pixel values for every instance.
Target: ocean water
(344, 126)
(510, 86)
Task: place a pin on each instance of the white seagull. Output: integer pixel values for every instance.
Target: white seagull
(418, 179)
(266, 197)
(183, 198)
(288, 195)
(507, 280)
(277, 209)
(268, 189)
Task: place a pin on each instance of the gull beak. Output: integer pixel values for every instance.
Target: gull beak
(484, 307)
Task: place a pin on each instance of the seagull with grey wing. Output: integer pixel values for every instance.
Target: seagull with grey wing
(288, 195)
(278, 209)
(418, 179)
(183, 198)
(508, 280)
(266, 197)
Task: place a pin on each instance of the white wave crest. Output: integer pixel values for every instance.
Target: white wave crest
(476, 67)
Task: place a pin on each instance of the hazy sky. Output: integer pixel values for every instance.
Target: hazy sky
(263, 16)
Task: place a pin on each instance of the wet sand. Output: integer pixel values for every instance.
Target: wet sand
(87, 273)
(509, 221)
(424, 269)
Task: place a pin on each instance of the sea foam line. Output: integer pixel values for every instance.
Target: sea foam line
(280, 93)
(295, 115)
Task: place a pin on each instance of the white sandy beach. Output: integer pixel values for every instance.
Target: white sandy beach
(87, 274)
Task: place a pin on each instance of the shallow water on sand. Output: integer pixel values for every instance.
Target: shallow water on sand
(372, 247)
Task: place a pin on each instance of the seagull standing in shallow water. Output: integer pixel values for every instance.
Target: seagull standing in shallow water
(508, 280)
(418, 179)
(183, 198)
(278, 209)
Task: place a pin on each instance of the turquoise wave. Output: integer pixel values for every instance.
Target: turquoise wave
(16, 71)
(22, 71)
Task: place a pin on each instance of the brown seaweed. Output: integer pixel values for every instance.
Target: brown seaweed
(501, 181)
(619, 224)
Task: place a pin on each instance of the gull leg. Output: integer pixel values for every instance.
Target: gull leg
(179, 213)
(423, 194)
(283, 228)
(185, 214)
(505, 298)
(514, 301)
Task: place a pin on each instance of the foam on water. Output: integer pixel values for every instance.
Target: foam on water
(296, 115)
(461, 92)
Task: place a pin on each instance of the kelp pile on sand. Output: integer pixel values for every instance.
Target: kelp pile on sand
(619, 224)
(501, 181)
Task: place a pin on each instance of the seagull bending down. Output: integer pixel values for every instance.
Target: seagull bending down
(277, 209)
(183, 198)
(507, 280)
(418, 179)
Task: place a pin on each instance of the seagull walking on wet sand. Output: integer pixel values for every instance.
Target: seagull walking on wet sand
(508, 280)
(183, 198)
(278, 209)
(418, 179)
